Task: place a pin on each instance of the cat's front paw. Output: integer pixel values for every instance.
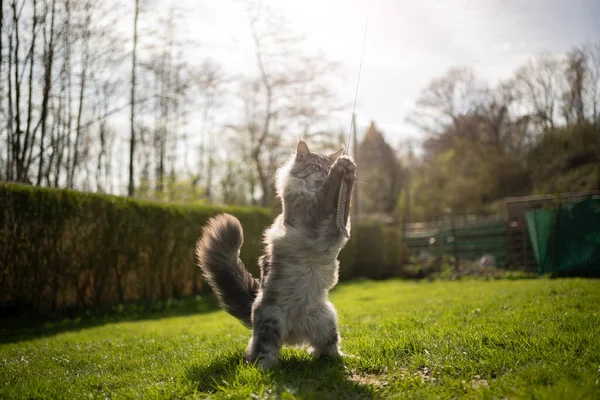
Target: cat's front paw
(345, 167)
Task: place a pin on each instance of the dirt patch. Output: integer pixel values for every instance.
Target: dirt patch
(477, 382)
(369, 379)
(426, 374)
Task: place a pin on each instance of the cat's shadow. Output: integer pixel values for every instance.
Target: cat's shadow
(305, 377)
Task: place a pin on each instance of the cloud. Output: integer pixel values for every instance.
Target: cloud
(410, 42)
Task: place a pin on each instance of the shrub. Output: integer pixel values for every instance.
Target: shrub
(62, 249)
(374, 252)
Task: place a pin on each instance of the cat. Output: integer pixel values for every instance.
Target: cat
(289, 303)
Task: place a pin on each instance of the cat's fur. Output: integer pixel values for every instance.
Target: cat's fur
(289, 304)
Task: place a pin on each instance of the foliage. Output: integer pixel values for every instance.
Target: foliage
(374, 251)
(465, 339)
(379, 174)
(567, 159)
(71, 71)
(536, 132)
(62, 248)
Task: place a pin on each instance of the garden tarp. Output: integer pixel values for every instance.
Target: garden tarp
(567, 239)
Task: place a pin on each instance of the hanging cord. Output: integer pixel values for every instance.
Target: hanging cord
(362, 54)
(343, 204)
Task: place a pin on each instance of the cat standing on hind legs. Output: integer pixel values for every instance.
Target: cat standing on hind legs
(289, 303)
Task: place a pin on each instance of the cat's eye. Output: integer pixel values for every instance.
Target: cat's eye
(314, 168)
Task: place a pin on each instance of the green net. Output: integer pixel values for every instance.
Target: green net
(566, 240)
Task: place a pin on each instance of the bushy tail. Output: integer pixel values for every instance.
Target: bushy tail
(218, 253)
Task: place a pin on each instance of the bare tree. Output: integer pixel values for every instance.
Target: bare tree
(61, 142)
(48, 65)
(271, 100)
(573, 97)
(540, 83)
(167, 79)
(1, 51)
(17, 88)
(24, 159)
(131, 185)
(447, 100)
(592, 102)
(449, 110)
(61, 76)
(85, 59)
(21, 64)
(210, 81)
(3, 163)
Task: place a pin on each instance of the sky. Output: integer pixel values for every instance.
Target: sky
(408, 43)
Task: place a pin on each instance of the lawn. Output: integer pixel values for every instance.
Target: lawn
(528, 338)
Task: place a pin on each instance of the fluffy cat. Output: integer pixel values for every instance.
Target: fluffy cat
(289, 304)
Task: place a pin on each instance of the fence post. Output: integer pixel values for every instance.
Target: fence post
(454, 240)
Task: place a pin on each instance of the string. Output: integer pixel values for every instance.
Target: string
(342, 205)
(362, 54)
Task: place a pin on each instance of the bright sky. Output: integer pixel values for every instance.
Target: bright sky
(408, 42)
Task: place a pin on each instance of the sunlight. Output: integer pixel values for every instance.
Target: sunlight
(164, 163)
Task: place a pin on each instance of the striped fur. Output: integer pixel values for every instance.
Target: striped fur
(290, 303)
(218, 256)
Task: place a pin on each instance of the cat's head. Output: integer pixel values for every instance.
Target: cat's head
(305, 170)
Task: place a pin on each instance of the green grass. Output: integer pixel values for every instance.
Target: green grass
(463, 339)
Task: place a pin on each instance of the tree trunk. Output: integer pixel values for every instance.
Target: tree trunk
(54, 145)
(1, 46)
(69, 121)
(78, 127)
(26, 143)
(2, 90)
(9, 127)
(48, 59)
(82, 87)
(131, 186)
(17, 142)
(58, 146)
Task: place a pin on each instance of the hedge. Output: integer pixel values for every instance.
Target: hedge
(374, 251)
(64, 249)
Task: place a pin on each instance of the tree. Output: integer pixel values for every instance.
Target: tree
(210, 81)
(473, 141)
(379, 173)
(166, 79)
(48, 65)
(592, 56)
(59, 42)
(85, 61)
(63, 68)
(131, 185)
(573, 97)
(539, 84)
(289, 94)
(446, 100)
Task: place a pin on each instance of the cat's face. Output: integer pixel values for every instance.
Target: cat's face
(312, 168)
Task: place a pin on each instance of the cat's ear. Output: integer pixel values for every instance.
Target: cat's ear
(334, 156)
(302, 150)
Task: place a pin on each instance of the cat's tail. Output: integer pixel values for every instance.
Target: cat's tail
(218, 252)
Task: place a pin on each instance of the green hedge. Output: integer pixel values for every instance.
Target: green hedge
(62, 249)
(374, 252)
